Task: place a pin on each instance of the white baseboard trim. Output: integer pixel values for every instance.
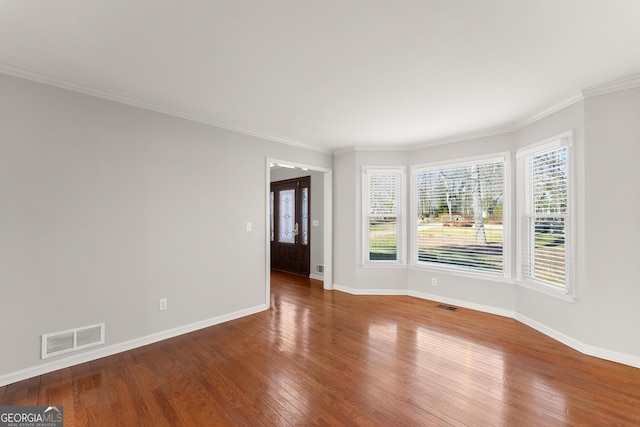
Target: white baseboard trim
(354, 291)
(465, 304)
(425, 296)
(601, 353)
(317, 276)
(110, 350)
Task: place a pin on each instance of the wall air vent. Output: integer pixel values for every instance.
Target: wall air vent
(319, 268)
(72, 340)
(447, 307)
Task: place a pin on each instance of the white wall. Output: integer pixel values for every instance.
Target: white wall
(345, 222)
(316, 212)
(602, 319)
(105, 208)
(611, 292)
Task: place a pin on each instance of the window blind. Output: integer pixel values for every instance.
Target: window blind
(460, 215)
(383, 220)
(545, 216)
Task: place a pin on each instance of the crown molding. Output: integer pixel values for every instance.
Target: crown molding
(597, 90)
(148, 105)
(554, 108)
(615, 86)
(603, 89)
(370, 148)
(428, 144)
(345, 150)
(482, 133)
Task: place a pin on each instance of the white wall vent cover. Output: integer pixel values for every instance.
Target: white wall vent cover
(319, 268)
(72, 340)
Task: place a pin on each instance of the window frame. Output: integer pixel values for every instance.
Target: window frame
(401, 239)
(566, 292)
(506, 273)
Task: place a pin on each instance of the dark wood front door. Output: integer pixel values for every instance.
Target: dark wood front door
(290, 232)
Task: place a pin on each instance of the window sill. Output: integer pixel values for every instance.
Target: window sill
(494, 277)
(383, 264)
(546, 289)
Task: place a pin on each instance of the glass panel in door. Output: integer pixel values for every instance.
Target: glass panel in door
(305, 216)
(287, 218)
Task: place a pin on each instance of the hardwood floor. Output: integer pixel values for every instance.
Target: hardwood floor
(328, 358)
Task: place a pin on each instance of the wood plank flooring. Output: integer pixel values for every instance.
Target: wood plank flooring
(328, 358)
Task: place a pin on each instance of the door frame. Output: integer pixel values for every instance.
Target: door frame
(327, 218)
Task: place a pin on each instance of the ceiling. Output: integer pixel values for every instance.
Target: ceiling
(328, 74)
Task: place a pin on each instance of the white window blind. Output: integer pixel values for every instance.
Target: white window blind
(383, 219)
(460, 215)
(546, 214)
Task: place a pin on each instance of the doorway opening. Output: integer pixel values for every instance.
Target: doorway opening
(321, 262)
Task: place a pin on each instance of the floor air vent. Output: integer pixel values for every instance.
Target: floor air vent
(447, 307)
(72, 340)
